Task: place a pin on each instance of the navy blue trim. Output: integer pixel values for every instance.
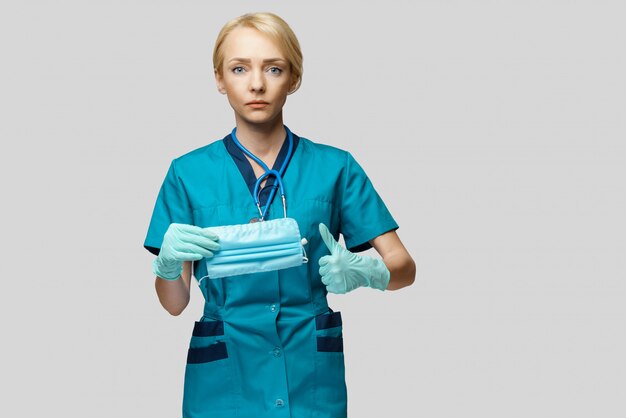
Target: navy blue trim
(326, 321)
(360, 248)
(330, 344)
(213, 352)
(208, 329)
(153, 250)
(246, 170)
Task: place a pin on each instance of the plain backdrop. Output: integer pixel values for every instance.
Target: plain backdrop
(494, 130)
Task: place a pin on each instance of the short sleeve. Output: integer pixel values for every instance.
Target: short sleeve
(172, 206)
(363, 214)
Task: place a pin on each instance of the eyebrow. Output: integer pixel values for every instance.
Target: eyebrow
(247, 60)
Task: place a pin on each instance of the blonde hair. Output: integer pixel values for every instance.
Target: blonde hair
(271, 25)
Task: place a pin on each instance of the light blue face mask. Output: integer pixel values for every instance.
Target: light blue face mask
(259, 246)
(256, 247)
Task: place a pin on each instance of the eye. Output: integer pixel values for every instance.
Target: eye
(275, 70)
(238, 70)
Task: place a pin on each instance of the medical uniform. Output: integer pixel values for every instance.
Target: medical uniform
(267, 344)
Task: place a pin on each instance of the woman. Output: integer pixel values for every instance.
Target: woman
(268, 344)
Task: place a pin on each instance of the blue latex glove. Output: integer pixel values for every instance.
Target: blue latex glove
(183, 242)
(343, 271)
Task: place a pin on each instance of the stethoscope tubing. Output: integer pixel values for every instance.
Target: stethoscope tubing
(277, 174)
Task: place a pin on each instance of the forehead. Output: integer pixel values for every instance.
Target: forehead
(244, 42)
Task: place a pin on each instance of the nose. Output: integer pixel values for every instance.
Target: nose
(257, 81)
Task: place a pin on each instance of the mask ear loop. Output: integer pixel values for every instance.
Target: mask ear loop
(304, 242)
(193, 273)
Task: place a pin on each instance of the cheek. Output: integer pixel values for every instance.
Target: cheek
(233, 91)
(283, 86)
(233, 83)
(233, 98)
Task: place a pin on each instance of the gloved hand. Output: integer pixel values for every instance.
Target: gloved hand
(183, 242)
(343, 271)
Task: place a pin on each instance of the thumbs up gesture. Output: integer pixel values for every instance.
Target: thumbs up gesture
(343, 271)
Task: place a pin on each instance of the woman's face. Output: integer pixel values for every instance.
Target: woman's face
(255, 76)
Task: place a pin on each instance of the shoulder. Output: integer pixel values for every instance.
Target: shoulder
(323, 151)
(211, 150)
(199, 157)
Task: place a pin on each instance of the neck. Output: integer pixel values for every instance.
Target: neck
(262, 139)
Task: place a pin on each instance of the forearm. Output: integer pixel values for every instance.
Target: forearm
(401, 269)
(397, 259)
(174, 294)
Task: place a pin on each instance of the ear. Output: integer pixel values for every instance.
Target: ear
(293, 85)
(219, 81)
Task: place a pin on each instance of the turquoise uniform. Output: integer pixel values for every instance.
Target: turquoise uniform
(267, 344)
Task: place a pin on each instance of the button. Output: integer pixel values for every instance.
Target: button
(277, 352)
(273, 307)
(279, 403)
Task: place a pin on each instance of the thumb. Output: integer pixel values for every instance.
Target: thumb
(328, 239)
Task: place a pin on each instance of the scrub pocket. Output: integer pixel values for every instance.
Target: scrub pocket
(210, 375)
(330, 388)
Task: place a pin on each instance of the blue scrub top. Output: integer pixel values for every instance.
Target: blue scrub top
(364, 215)
(246, 170)
(267, 344)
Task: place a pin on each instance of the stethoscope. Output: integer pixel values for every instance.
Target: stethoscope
(277, 174)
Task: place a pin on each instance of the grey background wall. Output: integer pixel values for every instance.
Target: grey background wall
(493, 130)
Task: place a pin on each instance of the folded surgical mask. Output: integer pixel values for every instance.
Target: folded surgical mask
(256, 247)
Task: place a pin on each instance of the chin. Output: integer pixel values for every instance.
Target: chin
(260, 119)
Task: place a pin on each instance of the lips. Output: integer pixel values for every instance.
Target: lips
(257, 104)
